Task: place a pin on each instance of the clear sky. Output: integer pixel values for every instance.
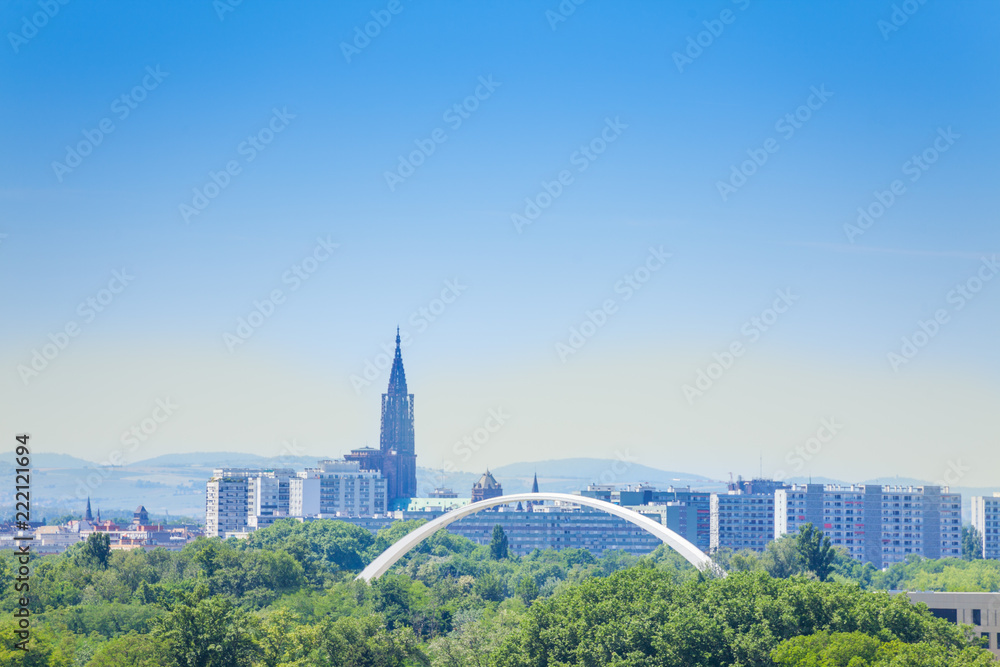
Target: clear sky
(673, 169)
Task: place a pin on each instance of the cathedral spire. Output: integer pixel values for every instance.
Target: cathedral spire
(397, 377)
(88, 516)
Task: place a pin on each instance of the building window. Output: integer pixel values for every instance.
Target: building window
(977, 616)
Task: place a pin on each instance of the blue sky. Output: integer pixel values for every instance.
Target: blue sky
(556, 85)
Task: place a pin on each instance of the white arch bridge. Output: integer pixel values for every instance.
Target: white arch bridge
(387, 558)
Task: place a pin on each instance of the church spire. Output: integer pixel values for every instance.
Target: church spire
(534, 489)
(88, 516)
(397, 377)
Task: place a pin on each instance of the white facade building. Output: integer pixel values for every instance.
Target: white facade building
(347, 491)
(226, 501)
(267, 497)
(986, 519)
(240, 500)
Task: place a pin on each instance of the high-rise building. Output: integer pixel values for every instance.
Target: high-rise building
(267, 496)
(226, 501)
(877, 524)
(238, 500)
(396, 456)
(986, 519)
(741, 521)
(338, 489)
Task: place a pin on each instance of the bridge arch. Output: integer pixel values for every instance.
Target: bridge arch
(387, 558)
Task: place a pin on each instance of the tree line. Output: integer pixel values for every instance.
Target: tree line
(286, 597)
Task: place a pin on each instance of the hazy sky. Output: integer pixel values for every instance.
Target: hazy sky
(571, 216)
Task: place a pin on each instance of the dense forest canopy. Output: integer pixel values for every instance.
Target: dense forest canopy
(287, 597)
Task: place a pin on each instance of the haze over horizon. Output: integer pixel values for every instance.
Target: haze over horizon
(774, 283)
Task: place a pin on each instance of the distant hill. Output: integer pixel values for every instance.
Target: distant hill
(597, 470)
(564, 476)
(47, 460)
(227, 460)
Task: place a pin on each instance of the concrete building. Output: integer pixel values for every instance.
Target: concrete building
(683, 511)
(226, 501)
(241, 500)
(346, 490)
(693, 516)
(337, 489)
(267, 497)
(595, 532)
(680, 517)
(986, 519)
(877, 524)
(741, 521)
(303, 495)
(981, 610)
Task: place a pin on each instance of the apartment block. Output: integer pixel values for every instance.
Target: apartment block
(267, 497)
(683, 511)
(226, 501)
(239, 500)
(877, 524)
(337, 489)
(986, 519)
(741, 521)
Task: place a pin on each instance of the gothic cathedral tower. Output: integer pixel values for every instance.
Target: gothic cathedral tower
(399, 459)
